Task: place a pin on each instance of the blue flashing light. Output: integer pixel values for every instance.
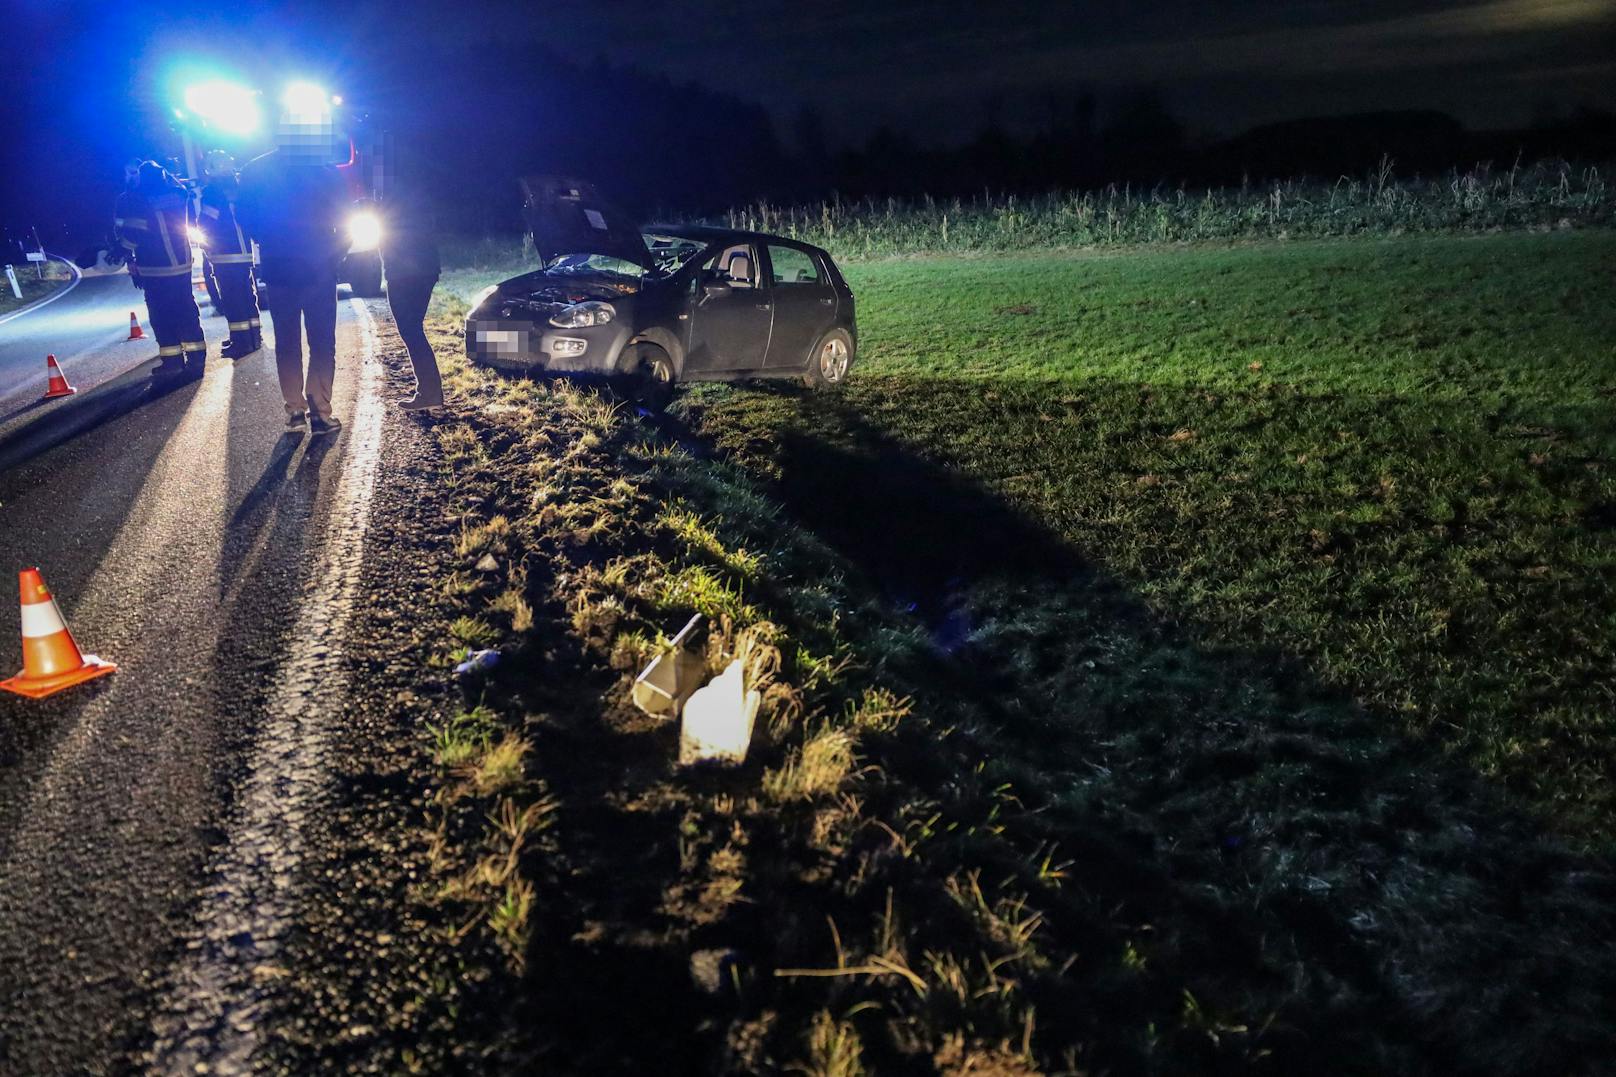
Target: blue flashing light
(228, 106)
(306, 100)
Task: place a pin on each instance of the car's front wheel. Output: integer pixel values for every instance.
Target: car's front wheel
(652, 376)
(831, 359)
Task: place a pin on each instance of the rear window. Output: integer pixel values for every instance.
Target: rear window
(788, 265)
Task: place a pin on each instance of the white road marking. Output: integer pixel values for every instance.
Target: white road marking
(217, 1002)
(48, 300)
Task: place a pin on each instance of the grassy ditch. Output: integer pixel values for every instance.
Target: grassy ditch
(33, 288)
(1011, 809)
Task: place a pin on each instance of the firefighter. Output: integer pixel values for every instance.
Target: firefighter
(151, 221)
(229, 257)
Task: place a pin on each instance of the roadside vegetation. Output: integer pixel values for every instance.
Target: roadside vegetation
(28, 281)
(1173, 660)
(1543, 196)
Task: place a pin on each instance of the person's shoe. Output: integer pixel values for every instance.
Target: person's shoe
(227, 350)
(168, 367)
(295, 421)
(329, 425)
(419, 403)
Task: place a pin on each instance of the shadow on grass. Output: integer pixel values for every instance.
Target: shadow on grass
(1356, 900)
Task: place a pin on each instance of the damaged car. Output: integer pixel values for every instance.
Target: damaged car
(662, 304)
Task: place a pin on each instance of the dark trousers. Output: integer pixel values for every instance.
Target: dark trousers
(175, 320)
(297, 304)
(408, 297)
(238, 300)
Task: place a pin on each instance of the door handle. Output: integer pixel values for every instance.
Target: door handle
(826, 302)
(763, 306)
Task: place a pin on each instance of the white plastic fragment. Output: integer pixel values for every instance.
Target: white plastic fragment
(718, 719)
(664, 685)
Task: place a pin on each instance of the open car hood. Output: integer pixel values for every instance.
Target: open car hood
(568, 216)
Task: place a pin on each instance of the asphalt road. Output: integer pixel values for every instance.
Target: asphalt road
(149, 821)
(86, 329)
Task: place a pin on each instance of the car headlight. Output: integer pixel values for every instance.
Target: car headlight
(483, 295)
(364, 231)
(582, 315)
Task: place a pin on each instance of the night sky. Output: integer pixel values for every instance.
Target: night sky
(87, 79)
(930, 66)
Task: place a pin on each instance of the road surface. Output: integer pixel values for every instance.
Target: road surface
(86, 329)
(151, 823)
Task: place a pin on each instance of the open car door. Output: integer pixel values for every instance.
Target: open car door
(568, 216)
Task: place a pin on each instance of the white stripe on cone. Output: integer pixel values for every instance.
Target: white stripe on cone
(41, 619)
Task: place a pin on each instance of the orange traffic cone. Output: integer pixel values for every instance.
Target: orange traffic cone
(58, 381)
(51, 661)
(135, 331)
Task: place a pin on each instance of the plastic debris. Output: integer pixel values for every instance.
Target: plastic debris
(487, 564)
(479, 662)
(718, 719)
(664, 685)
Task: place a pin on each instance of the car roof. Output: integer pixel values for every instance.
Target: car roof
(708, 233)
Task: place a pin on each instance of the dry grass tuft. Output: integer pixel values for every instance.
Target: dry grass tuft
(818, 768)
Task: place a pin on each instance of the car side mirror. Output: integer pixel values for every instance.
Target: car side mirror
(716, 289)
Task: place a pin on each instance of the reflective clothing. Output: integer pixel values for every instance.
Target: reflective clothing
(230, 263)
(150, 221)
(153, 229)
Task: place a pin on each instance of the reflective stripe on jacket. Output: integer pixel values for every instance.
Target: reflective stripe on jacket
(226, 242)
(154, 232)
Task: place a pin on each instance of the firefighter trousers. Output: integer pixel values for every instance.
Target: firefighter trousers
(176, 322)
(238, 302)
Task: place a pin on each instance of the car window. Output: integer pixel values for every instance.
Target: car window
(736, 266)
(788, 265)
(671, 252)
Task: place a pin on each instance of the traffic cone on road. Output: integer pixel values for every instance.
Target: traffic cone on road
(135, 331)
(51, 661)
(58, 381)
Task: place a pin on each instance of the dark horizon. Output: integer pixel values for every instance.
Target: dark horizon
(765, 88)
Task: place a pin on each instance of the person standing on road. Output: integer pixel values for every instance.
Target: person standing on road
(152, 220)
(291, 200)
(410, 259)
(229, 257)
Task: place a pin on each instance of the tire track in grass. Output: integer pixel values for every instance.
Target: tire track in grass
(222, 992)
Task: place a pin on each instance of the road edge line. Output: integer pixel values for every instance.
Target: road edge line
(78, 275)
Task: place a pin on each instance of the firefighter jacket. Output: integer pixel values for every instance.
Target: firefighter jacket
(226, 243)
(152, 226)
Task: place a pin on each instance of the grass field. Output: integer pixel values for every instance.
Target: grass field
(1177, 660)
(1395, 459)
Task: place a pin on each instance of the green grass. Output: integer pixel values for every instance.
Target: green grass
(1394, 459)
(1138, 711)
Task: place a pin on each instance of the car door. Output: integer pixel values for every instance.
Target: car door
(804, 304)
(730, 331)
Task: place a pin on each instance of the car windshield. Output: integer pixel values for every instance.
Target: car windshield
(593, 263)
(668, 253)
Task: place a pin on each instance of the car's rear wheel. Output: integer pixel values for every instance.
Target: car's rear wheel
(651, 375)
(830, 361)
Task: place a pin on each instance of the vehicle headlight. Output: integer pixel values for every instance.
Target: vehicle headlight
(364, 231)
(483, 295)
(583, 315)
(196, 236)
